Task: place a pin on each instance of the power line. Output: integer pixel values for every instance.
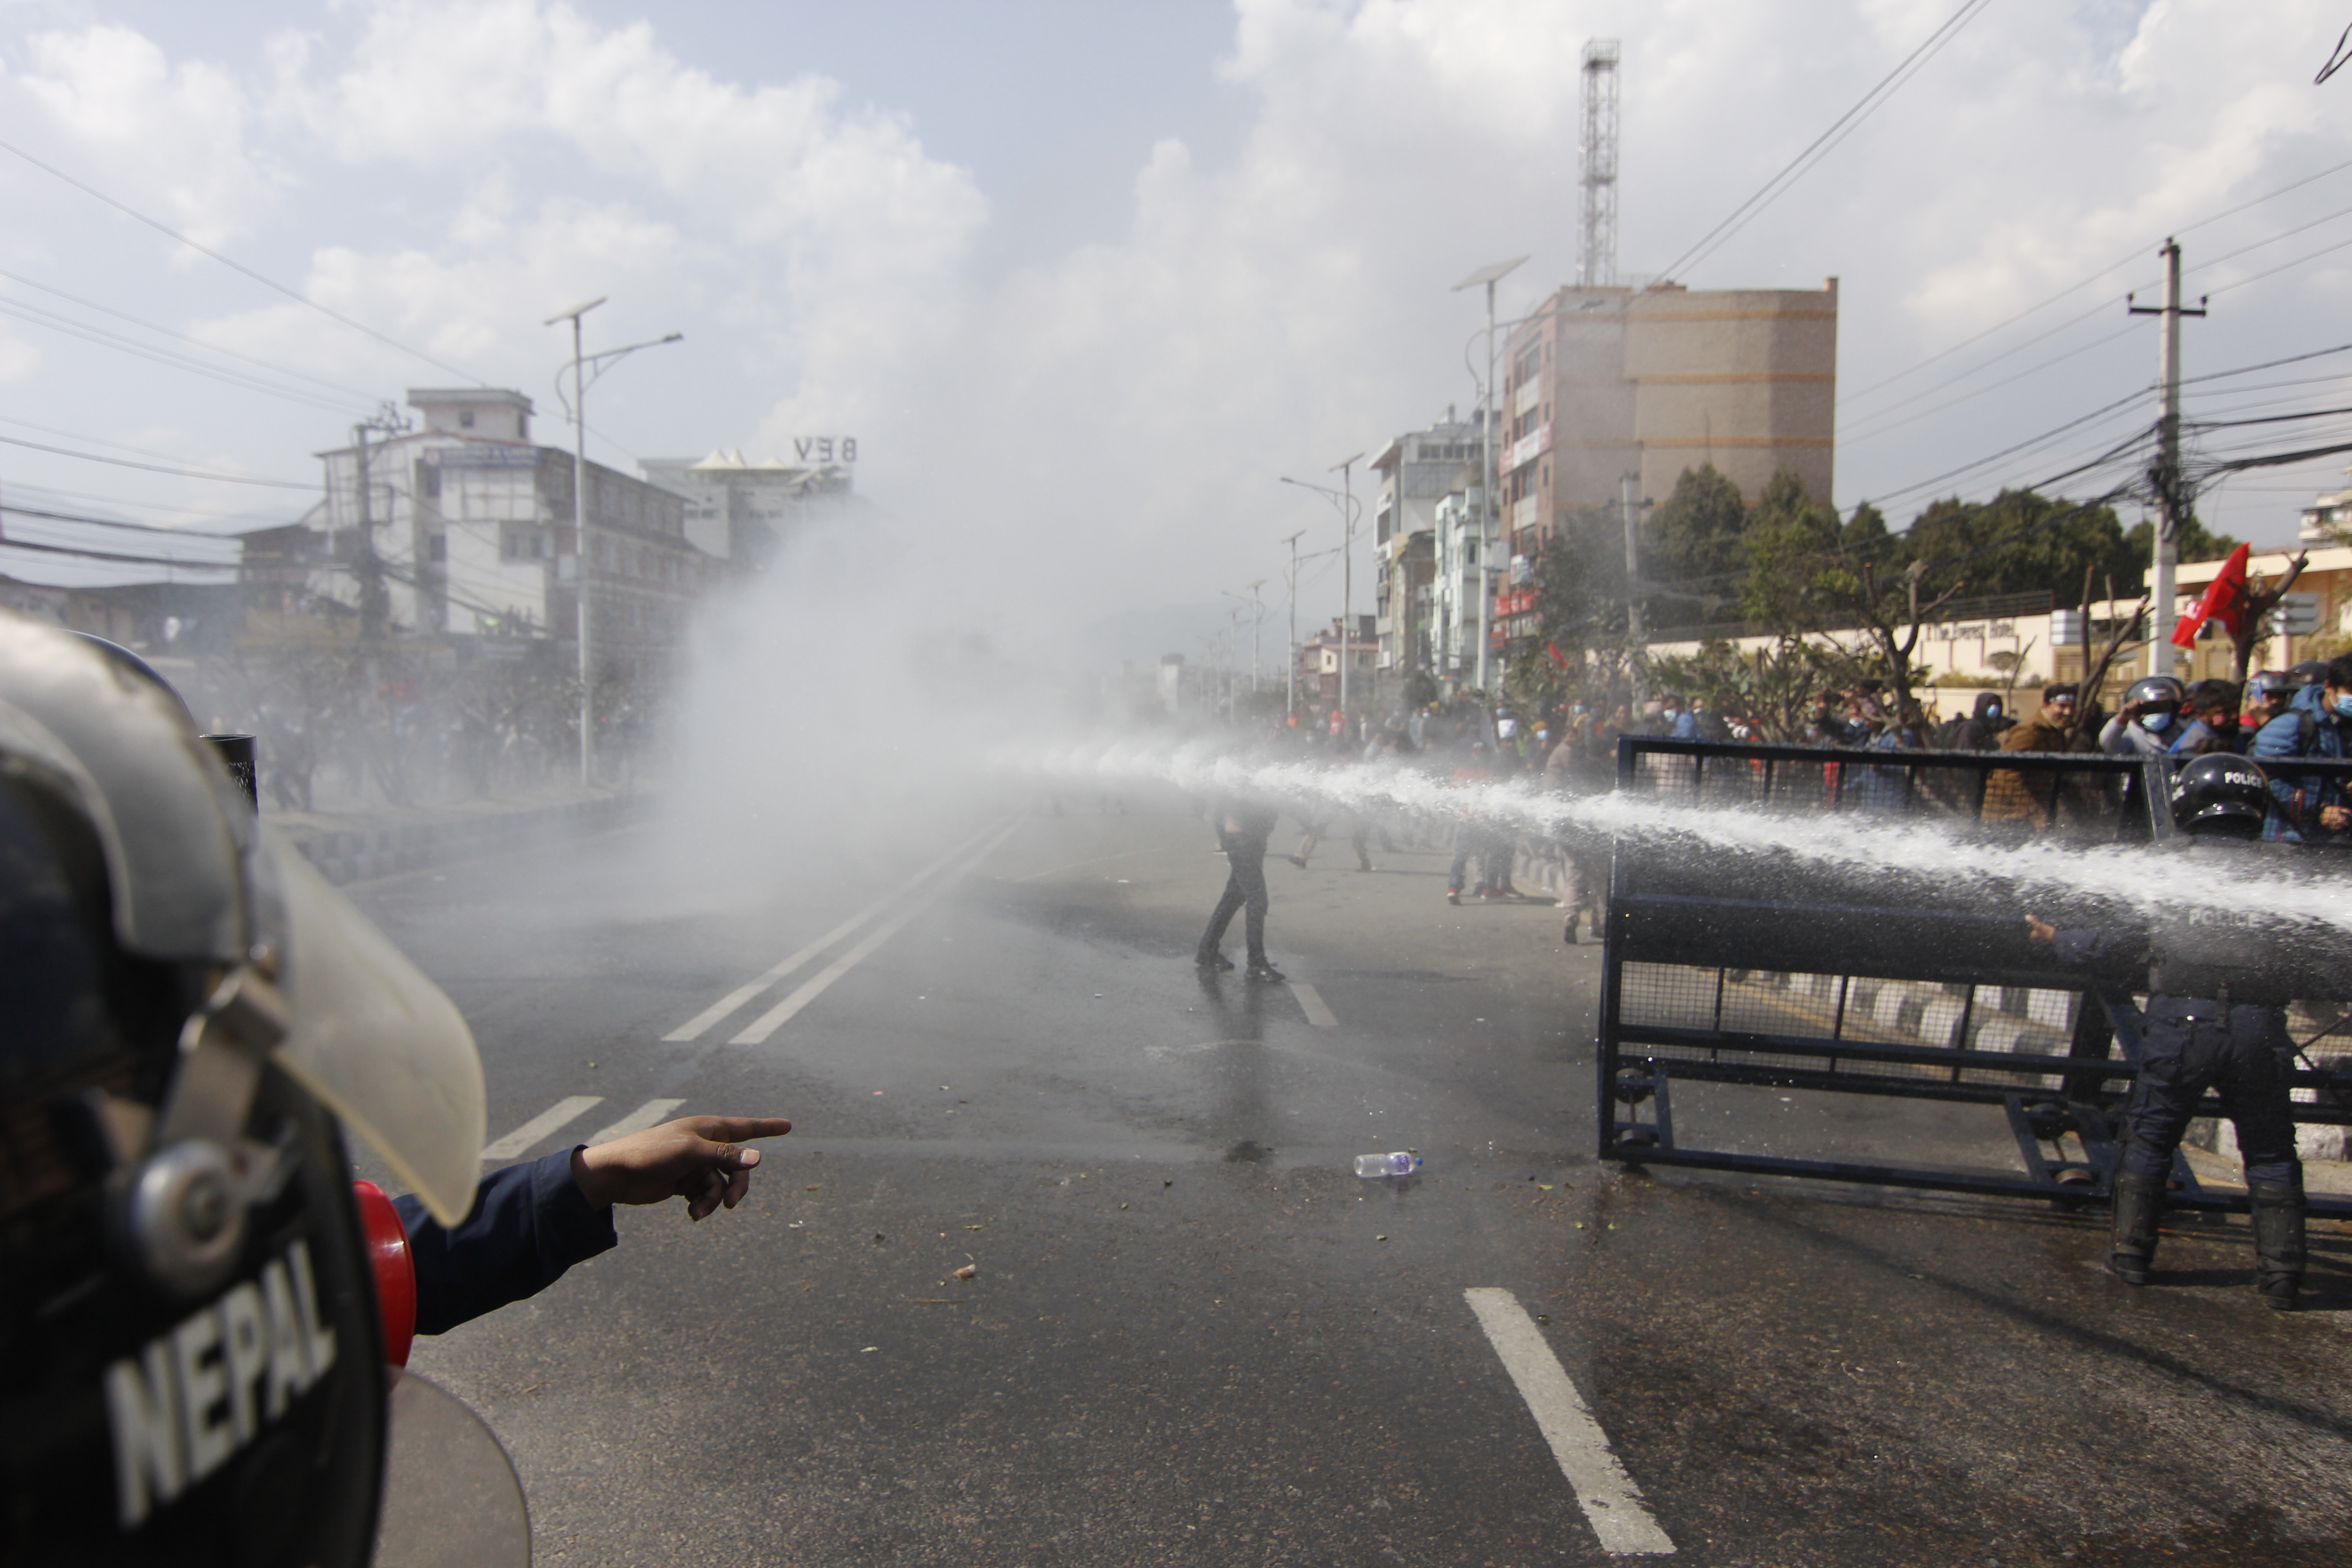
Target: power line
(111, 522)
(2282, 266)
(2030, 441)
(157, 467)
(266, 281)
(181, 562)
(2115, 266)
(184, 337)
(104, 339)
(2123, 331)
(1822, 145)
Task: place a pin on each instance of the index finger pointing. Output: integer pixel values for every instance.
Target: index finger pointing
(737, 1128)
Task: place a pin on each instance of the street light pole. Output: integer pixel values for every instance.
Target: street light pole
(1346, 469)
(1257, 617)
(1290, 674)
(585, 368)
(1489, 275)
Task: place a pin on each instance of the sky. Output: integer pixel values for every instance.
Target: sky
(1087, 280)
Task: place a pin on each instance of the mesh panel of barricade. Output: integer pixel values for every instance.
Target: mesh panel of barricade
(1767, 969)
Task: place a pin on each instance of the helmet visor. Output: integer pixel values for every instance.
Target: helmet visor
(379, 1043)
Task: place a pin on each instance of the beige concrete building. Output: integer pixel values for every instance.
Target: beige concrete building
(1602, 382)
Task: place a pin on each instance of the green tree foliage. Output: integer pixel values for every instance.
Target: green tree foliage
(1690, 549)
(2020, 542)
(1581, 587)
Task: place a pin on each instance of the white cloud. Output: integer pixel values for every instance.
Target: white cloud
(1106, 427)
(170, 138)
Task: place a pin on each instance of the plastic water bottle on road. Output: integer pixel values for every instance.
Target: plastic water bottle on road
(1403, 1163)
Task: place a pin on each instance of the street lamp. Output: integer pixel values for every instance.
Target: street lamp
(1489, 275)
(1345, 500)
(1257, 619)
(1290, 675)
(585, 368)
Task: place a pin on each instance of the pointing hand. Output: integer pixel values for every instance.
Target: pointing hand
(698, 1158)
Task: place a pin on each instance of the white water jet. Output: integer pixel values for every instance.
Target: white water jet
(2153, 882)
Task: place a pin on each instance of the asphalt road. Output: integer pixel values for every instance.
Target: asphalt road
(1193, 1335)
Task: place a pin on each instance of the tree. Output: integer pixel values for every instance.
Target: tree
(1580, 592)
(2020, 542)
(1811, 575)
(1690, 549)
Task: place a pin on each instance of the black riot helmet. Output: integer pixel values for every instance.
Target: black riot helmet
(2157, 691)
(2309, 672)
(189, 1330)
(2276, 683)
(2221, 796)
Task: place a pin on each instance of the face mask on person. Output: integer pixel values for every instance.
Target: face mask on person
(2344, 705)
(2158, 721)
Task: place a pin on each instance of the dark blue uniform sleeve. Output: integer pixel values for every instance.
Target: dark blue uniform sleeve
(530, 1224)
(2107, 950)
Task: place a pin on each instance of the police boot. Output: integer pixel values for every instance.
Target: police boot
(2278, 1241)
(2139, 1203)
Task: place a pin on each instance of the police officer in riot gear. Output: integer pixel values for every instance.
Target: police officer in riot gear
(2149, 723)
(193, 1326)
(2215, 1019)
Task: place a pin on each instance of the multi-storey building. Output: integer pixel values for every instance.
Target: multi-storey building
(1418, 470)
(1600, 383)
(1461, 568)
(741, 510)
(464, 528)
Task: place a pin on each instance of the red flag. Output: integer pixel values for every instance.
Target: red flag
(1559, 660)
(2223, 602)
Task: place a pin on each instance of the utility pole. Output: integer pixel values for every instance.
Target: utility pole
(1346, 469)
(585, 368)
(1489, 275)
(1291, 675)
(375, 600)
(369, 570)
(2168, 497)
(1257, 618)
(1636, 633)
(582, 556)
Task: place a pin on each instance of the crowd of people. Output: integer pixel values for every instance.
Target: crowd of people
(1570, 747)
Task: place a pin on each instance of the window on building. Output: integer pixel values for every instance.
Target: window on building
(437, 547)
(465, 420)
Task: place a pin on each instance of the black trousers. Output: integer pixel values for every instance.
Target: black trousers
(1244, 890)
(2244, 1054)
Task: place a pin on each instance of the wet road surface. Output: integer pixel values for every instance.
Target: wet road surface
(1193, 1335)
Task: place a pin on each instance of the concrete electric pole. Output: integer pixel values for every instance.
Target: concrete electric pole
(1636, 633)
(1346, 469)
(2171, 511)
(1291, 675)
(1489, 275)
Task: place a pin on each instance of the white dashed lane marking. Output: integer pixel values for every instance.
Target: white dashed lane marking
(637, 1120)
(562, 1113)
(1610, 1500)
(1310, 1002)
(782, 1012)
(694, 1027)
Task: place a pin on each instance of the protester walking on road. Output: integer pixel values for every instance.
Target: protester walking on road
(1243, 829)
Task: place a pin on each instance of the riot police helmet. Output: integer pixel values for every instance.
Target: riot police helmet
(2309, 672)
(2222, 796)
(2155, 691)
(189, 1325)
(2276, 683)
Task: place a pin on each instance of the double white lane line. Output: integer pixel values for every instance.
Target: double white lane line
(1610, 1500)
(775, 1018)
